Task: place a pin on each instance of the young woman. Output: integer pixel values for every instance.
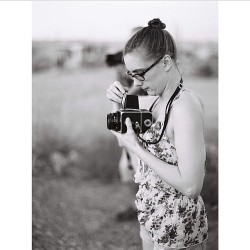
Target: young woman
(172, 152)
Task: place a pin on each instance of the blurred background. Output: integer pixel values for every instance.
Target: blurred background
(76, 185)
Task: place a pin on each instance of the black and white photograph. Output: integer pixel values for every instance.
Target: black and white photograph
(124, 125)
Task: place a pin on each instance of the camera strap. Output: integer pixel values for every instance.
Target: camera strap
(167, 113)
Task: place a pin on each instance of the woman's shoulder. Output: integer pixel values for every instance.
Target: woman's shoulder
(188, 102)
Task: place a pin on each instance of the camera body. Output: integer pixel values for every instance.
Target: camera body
(141, 119)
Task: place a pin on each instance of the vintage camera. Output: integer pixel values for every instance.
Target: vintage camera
(141, 119)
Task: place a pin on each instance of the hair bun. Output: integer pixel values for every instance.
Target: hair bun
(156, 23)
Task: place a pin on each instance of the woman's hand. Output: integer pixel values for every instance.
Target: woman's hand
(128, 140)
(115, 92)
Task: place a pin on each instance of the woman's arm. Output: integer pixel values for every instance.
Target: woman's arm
(190, 147)
(189, 142)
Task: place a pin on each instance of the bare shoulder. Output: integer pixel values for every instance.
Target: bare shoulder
(188, 105)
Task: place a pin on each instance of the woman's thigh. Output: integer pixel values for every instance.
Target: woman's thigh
(147, 243)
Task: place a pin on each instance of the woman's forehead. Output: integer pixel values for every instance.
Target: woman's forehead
(135, 61)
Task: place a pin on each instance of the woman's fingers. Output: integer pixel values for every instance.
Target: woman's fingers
(119, 86)
(113, 97)
(115, 92)
(118, 135)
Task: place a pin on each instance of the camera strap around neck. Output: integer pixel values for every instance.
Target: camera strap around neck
(167, 113)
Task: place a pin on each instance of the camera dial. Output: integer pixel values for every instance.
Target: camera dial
(148, 123)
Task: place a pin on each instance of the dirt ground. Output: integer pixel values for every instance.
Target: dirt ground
(71, 214)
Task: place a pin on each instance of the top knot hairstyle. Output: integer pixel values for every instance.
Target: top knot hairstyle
(156, 23)
(152, 41)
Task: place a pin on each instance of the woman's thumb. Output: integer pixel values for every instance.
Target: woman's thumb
(128, 123)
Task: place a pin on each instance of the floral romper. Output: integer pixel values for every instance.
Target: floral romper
(172, 219)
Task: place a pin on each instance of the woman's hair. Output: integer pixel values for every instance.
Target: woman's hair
(153, 41)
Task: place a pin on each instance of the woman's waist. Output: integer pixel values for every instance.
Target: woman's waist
(144, 175)
(159, 194)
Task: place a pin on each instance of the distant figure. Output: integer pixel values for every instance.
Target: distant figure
(171, 152)
(128, 162)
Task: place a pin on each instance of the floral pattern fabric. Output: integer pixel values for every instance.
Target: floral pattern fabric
(172, 219)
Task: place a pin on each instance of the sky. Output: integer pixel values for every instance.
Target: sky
(113, 20)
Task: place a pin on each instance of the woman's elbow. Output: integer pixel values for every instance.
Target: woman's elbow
(192, 191)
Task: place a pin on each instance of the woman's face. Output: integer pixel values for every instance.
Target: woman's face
(155, 78)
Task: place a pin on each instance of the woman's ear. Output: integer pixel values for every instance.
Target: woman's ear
(167, 61)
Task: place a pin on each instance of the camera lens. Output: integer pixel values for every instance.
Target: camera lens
(110, 121)
(113, 121)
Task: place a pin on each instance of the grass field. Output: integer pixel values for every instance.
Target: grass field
(76, 210)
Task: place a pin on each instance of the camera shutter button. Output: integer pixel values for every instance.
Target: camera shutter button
(137, 127)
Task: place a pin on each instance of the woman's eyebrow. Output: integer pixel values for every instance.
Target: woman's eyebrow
(136, 70)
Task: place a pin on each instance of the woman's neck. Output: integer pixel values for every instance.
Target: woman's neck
(172, 83)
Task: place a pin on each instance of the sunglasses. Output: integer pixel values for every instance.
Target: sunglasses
(140, 76)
